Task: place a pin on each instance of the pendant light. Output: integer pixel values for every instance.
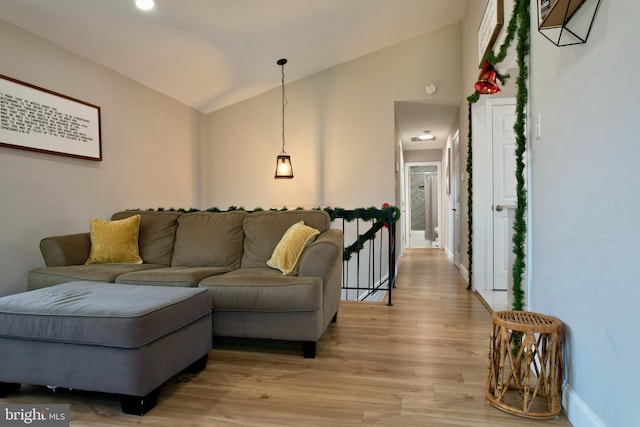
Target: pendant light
(283, 162)
(487, 84)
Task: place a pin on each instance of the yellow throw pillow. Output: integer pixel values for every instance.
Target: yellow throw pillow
(115, 241)
(286, 256)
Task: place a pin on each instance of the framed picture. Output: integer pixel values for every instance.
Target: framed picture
(544, 7)
(490, 26)
(556, 13)
(37, 119)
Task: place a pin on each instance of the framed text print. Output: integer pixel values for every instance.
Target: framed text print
(490, 26)
(37, 119)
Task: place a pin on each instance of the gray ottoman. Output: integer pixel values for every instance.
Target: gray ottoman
(105, 337)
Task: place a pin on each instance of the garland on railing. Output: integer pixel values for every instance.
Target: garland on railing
(358, 245)
(518, 25)
(381, 215)
(366, 214)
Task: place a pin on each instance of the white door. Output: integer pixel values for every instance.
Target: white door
(504, 191)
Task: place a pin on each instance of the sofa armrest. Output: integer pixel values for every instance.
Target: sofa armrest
(323, 259)
(71, 249)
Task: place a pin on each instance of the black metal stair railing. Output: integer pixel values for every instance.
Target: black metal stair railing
(369, 260)
(369, 268)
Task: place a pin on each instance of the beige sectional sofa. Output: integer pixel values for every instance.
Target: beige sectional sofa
(226, 253)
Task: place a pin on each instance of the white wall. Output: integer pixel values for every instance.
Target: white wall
(412, 156)
(584, 200)
(148, 147)
(339, 129)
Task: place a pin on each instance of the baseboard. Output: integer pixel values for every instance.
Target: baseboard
(465, 273)
(449, 255)
(578, 411)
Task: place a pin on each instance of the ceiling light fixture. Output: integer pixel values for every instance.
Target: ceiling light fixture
(145, 4)
(426, 136)
(283, 162)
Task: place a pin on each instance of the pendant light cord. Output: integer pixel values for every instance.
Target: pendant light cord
(284, 100)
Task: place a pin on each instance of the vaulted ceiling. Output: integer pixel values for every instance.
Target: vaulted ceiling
(212, 53)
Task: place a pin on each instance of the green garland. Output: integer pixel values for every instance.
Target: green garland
(470, 199)
(518, 25)
(520, 225)
(383, 214)
(382, 217)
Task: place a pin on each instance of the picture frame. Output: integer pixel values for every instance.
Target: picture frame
(36, 119)
(543, 6)
(489, 29)
(557, 13)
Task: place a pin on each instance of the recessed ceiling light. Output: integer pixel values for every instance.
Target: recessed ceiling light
(426, 136)
(145, 4)
(423, 137)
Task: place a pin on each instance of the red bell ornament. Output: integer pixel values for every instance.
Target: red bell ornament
(487, 84)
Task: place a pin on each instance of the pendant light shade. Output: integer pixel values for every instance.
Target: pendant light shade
(283, 162)
(283, 166)
(487, 84)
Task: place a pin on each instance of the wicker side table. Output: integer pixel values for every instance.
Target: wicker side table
(525, 364)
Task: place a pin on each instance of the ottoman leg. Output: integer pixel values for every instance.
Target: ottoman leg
(8, 388)
(139, 405)
(309, 349)
(198, 365)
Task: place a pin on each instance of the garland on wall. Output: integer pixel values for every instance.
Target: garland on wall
(519, 25)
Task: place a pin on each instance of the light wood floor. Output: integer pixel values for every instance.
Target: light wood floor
(421, 362)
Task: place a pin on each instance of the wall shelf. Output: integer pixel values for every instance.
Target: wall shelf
(566, 22)
(558, 12)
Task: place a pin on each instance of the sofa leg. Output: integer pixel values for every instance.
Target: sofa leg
(8, 388)
(139, 405)
(198, 365)
(335, 318)
(309, 349)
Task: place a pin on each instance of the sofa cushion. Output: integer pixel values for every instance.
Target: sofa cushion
(157, 234)
(263, 289)
(48, 276)
(263, 231)
(114, 241)
(101, 314)
(209, 239)
(171, 276)
(286, 255)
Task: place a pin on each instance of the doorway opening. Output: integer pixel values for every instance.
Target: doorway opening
(423, 199)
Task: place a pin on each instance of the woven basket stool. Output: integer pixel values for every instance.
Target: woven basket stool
(525, 364)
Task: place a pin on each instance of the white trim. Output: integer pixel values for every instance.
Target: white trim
(482, 191)
(406, 224)
(578, 411)
(400, 231)
(465, 273)
(449, 254)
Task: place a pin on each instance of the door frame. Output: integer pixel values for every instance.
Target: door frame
(482, 192)
(407, 200)
(456, 218)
